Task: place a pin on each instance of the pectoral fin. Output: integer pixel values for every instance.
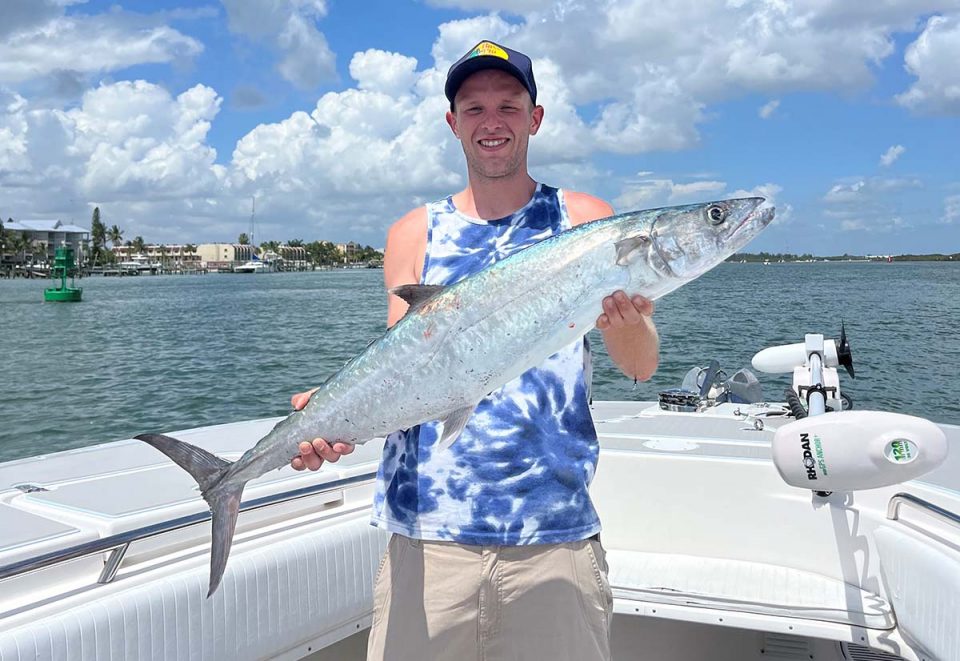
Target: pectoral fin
(453, 425)
(628, 249)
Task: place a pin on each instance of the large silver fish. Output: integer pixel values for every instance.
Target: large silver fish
(457, 344)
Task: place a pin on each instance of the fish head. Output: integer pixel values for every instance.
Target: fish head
(683, 242)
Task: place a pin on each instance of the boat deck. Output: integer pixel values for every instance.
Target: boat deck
(699, 526)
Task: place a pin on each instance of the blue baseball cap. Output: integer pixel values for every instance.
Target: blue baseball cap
(488, 55)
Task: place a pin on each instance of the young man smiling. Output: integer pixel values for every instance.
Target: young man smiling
(495, 552)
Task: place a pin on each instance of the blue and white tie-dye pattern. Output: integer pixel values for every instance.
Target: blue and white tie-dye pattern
(519, 473)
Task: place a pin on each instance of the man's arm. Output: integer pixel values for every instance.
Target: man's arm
(628, 331)
(403, 259)
(402, 265)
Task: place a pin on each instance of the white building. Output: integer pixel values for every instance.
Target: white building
(224, 256)
(52, 234)
(167, 255)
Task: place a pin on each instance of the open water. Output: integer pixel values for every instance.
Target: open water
(173, 352)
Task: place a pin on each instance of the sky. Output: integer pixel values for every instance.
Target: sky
(175, 118)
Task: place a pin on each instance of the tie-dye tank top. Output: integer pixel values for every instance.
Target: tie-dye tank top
(519, 472)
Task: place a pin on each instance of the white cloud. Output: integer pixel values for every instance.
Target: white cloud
(951, 210)
(455, 37)
(511, 6)
(767, 110)
(933, 58)
(624, 76)
(862, 189)
(380, 71)
(652, 192)
(875, 225)
(19, 15)
(845, 192)
(890, 156)
(90, 44)
(130, 144)
(290, 27)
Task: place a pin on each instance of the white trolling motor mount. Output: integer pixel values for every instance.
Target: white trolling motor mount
(830, 448)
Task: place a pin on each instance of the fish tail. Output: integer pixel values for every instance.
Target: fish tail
(223, 496)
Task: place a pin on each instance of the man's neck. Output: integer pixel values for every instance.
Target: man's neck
(490, 199)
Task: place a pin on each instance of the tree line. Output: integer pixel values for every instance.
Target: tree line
(319, 253)
(807, 257)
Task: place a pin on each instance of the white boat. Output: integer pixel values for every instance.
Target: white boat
(104, 552)
(254, 265)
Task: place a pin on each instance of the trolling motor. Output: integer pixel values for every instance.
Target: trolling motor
(831, 449)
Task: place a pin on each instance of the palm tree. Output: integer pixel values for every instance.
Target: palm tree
(115, 236)
(20, 244)
(138, 244)
(38, 249)
(243, 239)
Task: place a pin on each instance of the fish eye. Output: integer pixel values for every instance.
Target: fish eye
(716, 214)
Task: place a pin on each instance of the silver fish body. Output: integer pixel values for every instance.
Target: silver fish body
(458, 344)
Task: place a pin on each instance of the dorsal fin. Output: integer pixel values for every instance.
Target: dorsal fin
(416, 295)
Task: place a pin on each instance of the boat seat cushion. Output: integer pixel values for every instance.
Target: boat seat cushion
(737, 585)
(923, 578)
(273, 597)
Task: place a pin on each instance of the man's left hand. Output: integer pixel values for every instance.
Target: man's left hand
(620, 311)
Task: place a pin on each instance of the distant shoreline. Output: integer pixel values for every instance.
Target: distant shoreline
(786, 258)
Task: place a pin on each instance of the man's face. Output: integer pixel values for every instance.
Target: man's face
(494, 120)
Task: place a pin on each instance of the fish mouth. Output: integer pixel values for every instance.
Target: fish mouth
(762, 215)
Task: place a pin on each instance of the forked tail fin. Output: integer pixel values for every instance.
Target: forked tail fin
(223, 497)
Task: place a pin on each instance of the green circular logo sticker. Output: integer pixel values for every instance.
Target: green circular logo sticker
(901, 451)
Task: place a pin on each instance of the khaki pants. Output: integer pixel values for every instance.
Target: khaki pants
(440, 600)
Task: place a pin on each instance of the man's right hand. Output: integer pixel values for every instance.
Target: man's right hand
(314, 453)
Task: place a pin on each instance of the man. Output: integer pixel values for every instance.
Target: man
(495, 552)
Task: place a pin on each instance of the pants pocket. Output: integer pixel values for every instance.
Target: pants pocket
(598, 558)
(383, 583)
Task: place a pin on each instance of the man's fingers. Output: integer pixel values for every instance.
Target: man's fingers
(644, 305)
(308, 458)
(611, 310)
(322, 448)
(313, 454)
(627, 309)
(619, 310)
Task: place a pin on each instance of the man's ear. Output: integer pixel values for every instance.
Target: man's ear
(536, 117)
(452, 122)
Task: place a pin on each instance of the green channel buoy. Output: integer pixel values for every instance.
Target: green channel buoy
(63, 267)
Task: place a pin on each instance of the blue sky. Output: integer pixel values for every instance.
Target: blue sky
(172, 116)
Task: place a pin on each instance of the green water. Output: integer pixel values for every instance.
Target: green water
(172, 352)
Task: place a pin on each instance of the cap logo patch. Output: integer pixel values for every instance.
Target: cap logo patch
(486, 48)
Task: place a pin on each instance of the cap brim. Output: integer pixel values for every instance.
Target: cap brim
(479, 63)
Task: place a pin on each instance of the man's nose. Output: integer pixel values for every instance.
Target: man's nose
(491, 121)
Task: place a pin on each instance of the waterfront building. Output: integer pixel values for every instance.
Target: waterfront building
(50, 234)
(293, 258)
(224, 256)
(168, 256)
(349, 251)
